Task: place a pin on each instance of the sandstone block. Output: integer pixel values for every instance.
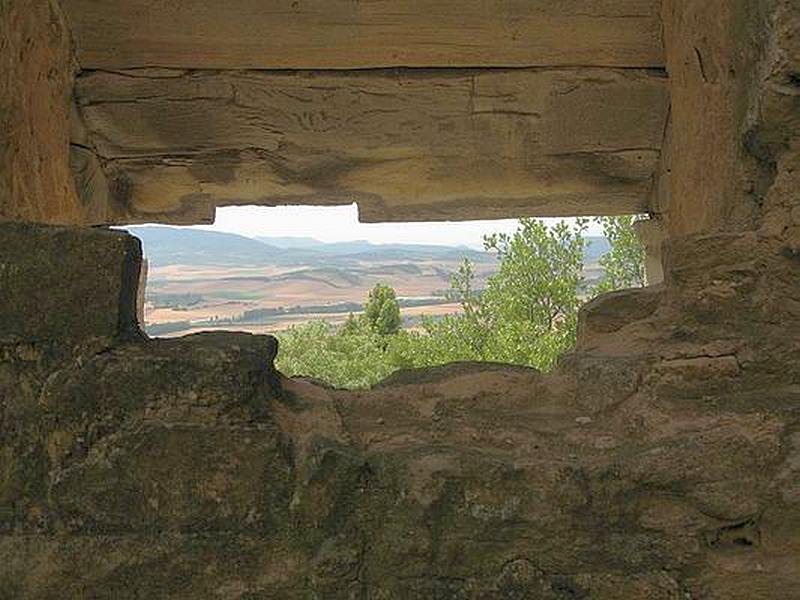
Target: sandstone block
(67, 283)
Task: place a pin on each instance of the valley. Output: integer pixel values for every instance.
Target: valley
(202, 280)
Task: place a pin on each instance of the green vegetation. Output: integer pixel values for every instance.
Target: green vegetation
(343, 357)
(161, 300)
(526, 314)
(623, 265)
(382, 312)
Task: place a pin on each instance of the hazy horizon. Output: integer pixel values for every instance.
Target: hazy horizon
(340, 224)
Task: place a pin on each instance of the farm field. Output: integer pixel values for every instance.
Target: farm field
(201, 280)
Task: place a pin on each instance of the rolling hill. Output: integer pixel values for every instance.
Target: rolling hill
(201, 279)
(182, 246)
(192, 247)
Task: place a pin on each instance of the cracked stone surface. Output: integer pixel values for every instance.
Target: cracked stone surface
(660, 460)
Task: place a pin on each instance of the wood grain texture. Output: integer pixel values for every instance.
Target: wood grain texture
(352, 34)
(404, 144)
(35, 84)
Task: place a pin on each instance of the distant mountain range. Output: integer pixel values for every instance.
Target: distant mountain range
(355, 246)
(227, 280)
(181, 246)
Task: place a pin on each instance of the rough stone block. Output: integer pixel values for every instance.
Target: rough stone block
(611, 312)
(60, 283)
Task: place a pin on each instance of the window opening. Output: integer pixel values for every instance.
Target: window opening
(353, 302)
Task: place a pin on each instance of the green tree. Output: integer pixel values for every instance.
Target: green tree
(533, 298)
(526, 313)
(623, 265)
(382, 311)
(320, 350)
(354, 325)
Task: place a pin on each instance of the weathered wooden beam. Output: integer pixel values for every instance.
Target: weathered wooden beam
(404, 144)
(350, 34)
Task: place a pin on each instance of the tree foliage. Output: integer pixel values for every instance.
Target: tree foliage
(526, 313)
(348, 360)
(382, 311)
(623, 265)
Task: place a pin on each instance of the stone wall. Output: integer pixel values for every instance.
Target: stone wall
(444, 111)
(732, 68)
(68, 285)
(405, 144)
(36, 74)
(660, 460)
(49, 170)
(733, 81)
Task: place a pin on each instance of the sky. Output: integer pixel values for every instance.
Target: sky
(340, 223)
